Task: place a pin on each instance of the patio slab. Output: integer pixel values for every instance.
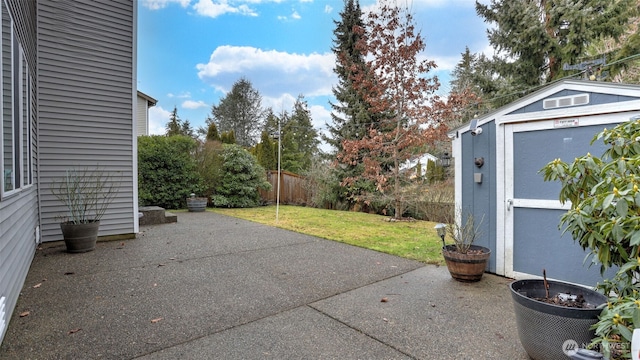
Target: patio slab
(212, 286)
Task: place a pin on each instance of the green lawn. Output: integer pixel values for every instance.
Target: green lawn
(415, 240)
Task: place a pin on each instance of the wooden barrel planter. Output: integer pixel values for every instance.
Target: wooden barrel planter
(466, 267)
(197, 204)
(80, 238)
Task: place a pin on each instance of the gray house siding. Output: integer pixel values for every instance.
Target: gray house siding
(86, 96)
(19, 209)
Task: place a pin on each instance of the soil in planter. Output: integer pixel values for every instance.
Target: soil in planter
(563, 299)
(475, 252)
(567, 300)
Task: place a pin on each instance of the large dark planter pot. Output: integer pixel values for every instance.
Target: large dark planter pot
(546, 331)
(466, 267)
(80, 238)
(197, 204)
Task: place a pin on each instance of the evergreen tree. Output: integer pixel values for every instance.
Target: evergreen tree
(267, 152)
(228, 137)
(535, 38)
(174, 126)
(187, 130)
(239, 111)
(299, 130)
(351, 113)
(212, 133)
(241, 179)
(177, 126)
(351, 116)
(473, 79)
(271, 123)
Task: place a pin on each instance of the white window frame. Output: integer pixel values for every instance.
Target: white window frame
(21, 171)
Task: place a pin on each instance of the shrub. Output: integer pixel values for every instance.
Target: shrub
(241, 178)
(209, 166)
(605, 219)
(166, 170)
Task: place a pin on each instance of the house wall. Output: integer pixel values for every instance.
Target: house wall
(480, 198)
(19, 209)
(142, 120)
(86, 91)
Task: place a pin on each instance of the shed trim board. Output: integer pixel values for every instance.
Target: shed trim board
(507, 131)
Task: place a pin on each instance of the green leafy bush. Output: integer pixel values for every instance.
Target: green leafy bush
(167, 172)
(209, 165)
(605, 219)
(241, 177)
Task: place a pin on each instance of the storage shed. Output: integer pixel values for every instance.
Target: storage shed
(497, 161)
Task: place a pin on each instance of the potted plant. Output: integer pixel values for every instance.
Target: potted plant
(196, 204)
(554, 318)
(466, 262)
(604, 218)
(86, 194)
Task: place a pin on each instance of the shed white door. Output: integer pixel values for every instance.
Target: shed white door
(532, 238)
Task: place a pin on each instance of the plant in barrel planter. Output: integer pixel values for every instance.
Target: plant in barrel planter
(466, 262)
(605, 218)
(197, 204)
(86, 194)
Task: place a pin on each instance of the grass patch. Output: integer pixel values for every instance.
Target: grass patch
(415, 240)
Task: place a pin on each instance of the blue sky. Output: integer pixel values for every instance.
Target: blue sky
(190, 52)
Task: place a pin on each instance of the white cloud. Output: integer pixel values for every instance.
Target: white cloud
(182, 95)
(328, 9)
(221, 7)
(279, 104)
(321, 116)
(272, 72)
(190, 104)
(294, 16)
(161, 4)
(158, 118)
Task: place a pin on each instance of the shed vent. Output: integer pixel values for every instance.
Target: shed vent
(565, 101)
(3, 315)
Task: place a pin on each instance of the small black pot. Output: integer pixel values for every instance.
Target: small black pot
(549, 331)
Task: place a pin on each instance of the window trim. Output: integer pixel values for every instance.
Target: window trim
(21, 112)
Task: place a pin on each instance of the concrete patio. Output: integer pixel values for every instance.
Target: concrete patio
(216, 287)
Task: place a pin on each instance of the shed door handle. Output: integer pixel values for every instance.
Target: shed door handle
(509, 204)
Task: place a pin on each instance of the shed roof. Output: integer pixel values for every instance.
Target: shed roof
(517, 110)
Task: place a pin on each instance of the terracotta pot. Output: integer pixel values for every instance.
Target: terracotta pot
(80, 238)
(466, 267)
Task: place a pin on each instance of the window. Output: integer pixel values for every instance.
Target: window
(17, 162)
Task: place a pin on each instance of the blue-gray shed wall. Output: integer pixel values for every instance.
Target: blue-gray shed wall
(536, 230)
(480, 198)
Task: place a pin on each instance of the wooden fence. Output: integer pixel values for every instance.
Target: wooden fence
(292, 189)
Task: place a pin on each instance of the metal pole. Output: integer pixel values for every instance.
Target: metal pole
(279, 179)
